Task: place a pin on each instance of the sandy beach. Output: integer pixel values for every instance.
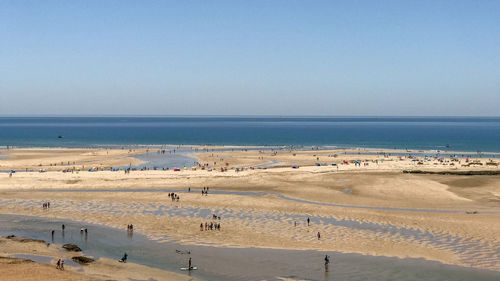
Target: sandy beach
(359, 201)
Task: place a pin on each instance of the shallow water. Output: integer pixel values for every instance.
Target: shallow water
(179, 156)
(233, 263)
(236, 264)
(174, 157)
(37, 258)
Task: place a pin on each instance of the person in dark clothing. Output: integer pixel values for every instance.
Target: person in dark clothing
(124, 258)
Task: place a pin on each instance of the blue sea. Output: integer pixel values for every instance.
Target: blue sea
(471, 134)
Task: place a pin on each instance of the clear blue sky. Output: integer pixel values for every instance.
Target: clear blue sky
(250, 57)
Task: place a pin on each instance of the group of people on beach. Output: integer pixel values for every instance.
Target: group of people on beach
(174, 197)
(210, 226)
(308, 224)
(205, 191)
(60, 264)
(46, 205)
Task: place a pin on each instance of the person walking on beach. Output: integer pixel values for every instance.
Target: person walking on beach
(319, 235)
(58, 264)
(62, 265)
(190, 267)
(327, 261)
(308, 221)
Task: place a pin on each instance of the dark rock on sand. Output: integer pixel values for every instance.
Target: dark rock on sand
(82, 260)
(72, 247)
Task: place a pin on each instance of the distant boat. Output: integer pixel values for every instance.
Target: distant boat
(59, 137)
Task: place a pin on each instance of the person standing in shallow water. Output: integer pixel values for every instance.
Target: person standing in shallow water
(190, 267)
(327, 261)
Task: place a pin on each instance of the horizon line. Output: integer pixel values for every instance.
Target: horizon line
(240, 115)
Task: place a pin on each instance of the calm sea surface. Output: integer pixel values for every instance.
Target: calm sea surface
(440, 133)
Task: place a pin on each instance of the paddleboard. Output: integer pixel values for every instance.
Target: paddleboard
(192, 268)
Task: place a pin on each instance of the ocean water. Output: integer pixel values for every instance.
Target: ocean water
(471, 134)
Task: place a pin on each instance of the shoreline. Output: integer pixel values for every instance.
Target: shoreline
(283, 147)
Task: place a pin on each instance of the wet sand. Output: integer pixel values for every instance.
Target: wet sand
(372, 208)
(227, 264)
